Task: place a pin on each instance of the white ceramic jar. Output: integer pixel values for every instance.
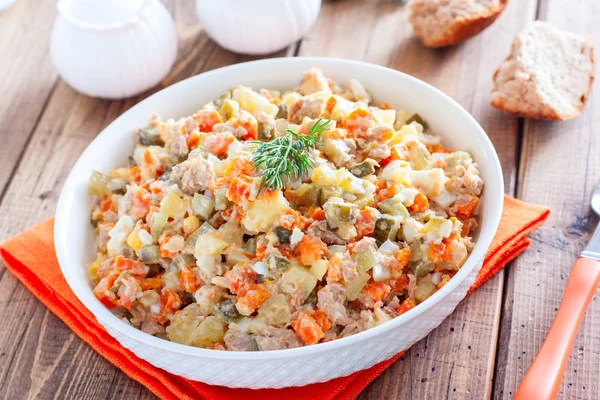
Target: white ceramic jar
(257, 26)
(113, 48)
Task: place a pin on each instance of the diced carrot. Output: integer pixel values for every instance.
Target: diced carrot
(384, 106)
(107, 204)
(241, 278)
(316, 213)
(206, 119)
(218, 143)
(239, 189)
(321, 319)
(307, 329)
(233, 213)
(310, 249)
(405, 306)
(261, 247)
(136, 174)
(252, 299)
(104, 294)
(376, 290)
(437, 252)
(189, 279)
(137, 268)
(365, 223)
(151, 283)
(291, 219)
(331, 102)
(164, 253)
(387, 192)
(334, 270)
(445, 279)
(358, 113)
(237, 167)
(421, 203)
(169, 303)
(403, 257)
(400, 283)
(463, 207)
(193, 140)
(250, 125)
(438, 148)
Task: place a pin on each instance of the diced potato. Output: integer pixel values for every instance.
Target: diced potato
(397, 171)
(384, 116)
(342, 108)
(323, 176)
(275, 310)
(264, 212)
(253, 102)
(354, 287)
(424, 290)
(203, 205)
(431, 181)
(209, 332)
(173, 206)
(365, 259)
(401, 117)
(378, 317)
(190, 224)
(319, 268)
(149, 298)
(297, 280)
(210, 244)
(359, 91)
(337, 150)
(184, 324)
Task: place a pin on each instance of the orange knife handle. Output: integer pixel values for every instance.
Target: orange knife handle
(545, 374)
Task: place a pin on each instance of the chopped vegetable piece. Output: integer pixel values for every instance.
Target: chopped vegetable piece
(363, 169)
(307, 328)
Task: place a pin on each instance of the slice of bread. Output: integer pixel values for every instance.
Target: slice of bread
(440, 23)
(547, 75)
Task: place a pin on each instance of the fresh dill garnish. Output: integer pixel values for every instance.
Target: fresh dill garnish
(287, 157)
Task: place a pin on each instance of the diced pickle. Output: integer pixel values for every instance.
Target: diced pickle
(347, 213)
(283, 111)
(203, 206)
(165, 176)
(277, 263)
(158, 222)
(417, 118)
(423, 268)
(150, 137)
(393, 206)
(424, 290)
(221, 201)
(265, 131)
(386, 228)
(275, 310)
(363, 169)
(227, 311)
(127, 252)
(150, 254)
(183, 260)
(283, 234)
(119, 281)
(250, 245)
(99, 184)
(365, 259)
(329, 192)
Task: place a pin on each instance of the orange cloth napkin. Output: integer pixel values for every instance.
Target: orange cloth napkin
(30, 257)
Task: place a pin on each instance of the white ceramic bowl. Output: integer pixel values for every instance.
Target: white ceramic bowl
(300, 366)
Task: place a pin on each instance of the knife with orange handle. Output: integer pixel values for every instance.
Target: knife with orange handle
(542, 381)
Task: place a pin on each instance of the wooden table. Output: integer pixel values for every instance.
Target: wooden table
(481, 351)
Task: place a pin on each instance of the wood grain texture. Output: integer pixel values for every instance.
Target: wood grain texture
(39, 356)
(456, 360)
(27, 77)
(560, 165)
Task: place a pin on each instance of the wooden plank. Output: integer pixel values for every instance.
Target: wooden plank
(39, 356)
(456, 360)
(560, 167)
(28, 77)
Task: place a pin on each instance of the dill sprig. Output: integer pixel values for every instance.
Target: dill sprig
(287, 157)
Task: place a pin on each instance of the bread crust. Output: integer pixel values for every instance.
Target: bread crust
(550, 114)
(463, 28)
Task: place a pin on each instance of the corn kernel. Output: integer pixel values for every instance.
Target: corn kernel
(190, 224)
(134, 241)
(96, 264)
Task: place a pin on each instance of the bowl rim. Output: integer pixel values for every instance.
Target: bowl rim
(106, 317)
